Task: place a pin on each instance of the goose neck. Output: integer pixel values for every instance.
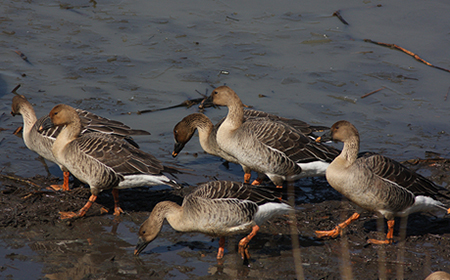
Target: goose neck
(350, 150)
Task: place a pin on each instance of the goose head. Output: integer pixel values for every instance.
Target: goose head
(17, 103)
(182, 133)
(223, 96)
(148, 231)
(63, 115)
(341, 131)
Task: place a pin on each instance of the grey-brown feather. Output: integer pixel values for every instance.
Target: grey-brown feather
(227, 203)
(117, 154)
(398, 173)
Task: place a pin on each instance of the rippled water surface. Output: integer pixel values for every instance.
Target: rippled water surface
(290, 58)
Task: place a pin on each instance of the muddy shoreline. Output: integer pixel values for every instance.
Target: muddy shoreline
(96, 246)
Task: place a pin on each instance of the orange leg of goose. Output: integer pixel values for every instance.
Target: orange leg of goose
(247, 177)
(221, 248)
(117, 209)
(257, 182)
(337, 230)
(389, 235)
(65, 185)
(243, 244)
(82, 212)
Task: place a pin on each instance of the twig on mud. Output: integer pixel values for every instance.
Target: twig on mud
(18, 179)
(394, 46)
(15, 89)
(372, 92)
(338, 15)
(36, 192)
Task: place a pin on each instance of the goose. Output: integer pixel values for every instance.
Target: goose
(269, 147)
(377, 183)
(185, 129)
(217, 208)
(38, 136)
(102, 161)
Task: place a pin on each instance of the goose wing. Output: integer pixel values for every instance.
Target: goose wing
(301, 126)
(287, 140)
(118, 154)
(227, 204)
(91, 123)
(394, 171)
(94, 123)
(235, 190)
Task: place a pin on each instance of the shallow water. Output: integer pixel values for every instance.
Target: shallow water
(292, 59)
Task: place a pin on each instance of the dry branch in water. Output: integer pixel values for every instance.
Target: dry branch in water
(372, 92)
(338, 15)
(394, 46)
(187, 103)
(15, 88)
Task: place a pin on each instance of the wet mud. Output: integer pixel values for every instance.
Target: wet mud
(100, 245)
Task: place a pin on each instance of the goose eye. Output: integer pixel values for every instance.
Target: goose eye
(143, 232)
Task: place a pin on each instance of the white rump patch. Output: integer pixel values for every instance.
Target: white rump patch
(141, 180)
(267, 210)
(312, 169)
(426, 204)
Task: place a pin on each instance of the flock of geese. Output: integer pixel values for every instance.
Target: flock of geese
(101, 153)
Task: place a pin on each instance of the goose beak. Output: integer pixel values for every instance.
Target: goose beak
(47, 124)
(140, 246)
(177, 148)
(325, 137)
(208, 102)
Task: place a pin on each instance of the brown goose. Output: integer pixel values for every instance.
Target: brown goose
(185, 129)
(377, 183)
(38, 136)
(273, 148)
(102, 161)
(219, 208)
